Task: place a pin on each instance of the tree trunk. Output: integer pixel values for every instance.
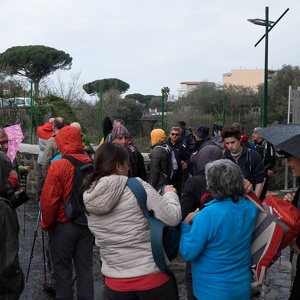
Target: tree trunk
(36, 91)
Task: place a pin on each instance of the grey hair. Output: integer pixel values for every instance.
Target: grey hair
(175, 129)
(224, 179)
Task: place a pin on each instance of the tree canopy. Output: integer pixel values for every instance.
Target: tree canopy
(107, 84)
(143, 99)
(131, 114)
(278, 92)
(34, 62)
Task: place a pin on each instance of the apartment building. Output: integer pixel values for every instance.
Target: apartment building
(188, 86)
(247, 78)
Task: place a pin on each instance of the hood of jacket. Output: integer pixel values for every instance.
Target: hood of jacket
(45, 131)
(158, 144)
(104, 194)
(244, 138)
(68, 140)
(157, 135)
(207, 154)
(199, 143)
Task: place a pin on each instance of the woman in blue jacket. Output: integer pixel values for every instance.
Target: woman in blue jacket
(217, 239)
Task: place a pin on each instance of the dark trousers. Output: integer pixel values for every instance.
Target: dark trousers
(69, 241)
(12, 287)
(295, 292)
(177, 185)
(167, 291)
(6, 294)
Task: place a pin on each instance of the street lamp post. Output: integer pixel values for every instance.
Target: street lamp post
(162, 108)
(269, 25)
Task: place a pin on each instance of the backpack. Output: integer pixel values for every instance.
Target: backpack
(172, 162)
(164, 238)
(73, 211)
(265, 150)
(277, 224)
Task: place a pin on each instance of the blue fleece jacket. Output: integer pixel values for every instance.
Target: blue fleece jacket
(218, 245)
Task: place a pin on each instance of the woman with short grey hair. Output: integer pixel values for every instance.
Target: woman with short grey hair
(217, 239)
(224, 179)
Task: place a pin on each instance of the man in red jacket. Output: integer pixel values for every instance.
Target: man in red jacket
(68, 241)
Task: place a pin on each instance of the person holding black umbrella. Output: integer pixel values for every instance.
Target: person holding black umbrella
(293, 163)
(286, 140)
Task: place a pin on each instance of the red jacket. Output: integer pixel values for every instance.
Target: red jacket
(58, 183)
(45, 131)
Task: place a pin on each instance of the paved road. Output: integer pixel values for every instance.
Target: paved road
(278, 279)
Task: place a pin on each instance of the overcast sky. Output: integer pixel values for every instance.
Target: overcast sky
(157, 43)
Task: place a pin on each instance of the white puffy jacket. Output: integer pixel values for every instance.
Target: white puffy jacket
(121, 230)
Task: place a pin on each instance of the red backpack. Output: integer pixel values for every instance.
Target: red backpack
(277, 224)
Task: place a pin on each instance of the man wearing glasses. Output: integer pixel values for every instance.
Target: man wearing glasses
(182, 157)
(120, 135)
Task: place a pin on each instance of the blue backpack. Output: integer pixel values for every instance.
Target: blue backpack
(164, 238)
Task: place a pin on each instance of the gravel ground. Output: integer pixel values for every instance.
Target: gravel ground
(278, 278)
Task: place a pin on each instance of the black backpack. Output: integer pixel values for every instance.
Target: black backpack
(72, 208)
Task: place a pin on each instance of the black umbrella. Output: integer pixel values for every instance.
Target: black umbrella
(284, 137)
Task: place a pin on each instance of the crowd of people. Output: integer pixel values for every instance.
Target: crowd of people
(196, 181)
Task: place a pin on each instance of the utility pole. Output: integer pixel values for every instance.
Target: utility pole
(165, 91)
(269, 25)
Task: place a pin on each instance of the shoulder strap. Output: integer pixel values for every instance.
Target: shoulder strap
(156, 226)
(165, 147)
(265, 150)
(140, 194)
(248, 158)
(86, 167)
(71, 159)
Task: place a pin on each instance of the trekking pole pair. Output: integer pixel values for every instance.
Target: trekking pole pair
(46, 284)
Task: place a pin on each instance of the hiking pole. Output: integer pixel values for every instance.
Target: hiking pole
(46, 284)
(32, 248)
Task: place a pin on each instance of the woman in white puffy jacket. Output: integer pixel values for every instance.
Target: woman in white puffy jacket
(121, 230)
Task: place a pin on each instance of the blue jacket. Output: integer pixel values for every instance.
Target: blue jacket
(218, 245)
(256, 173)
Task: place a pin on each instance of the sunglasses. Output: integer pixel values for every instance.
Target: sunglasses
(175, 134)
